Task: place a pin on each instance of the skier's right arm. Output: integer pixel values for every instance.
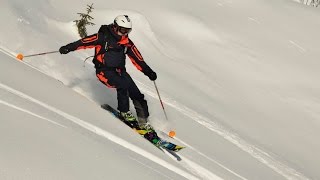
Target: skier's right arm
(84, 43)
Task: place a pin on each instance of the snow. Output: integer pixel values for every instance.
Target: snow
(238, 80)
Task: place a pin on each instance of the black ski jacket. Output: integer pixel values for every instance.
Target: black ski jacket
(110, 50)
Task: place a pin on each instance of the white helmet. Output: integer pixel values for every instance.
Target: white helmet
(123, 25)
(123, 21)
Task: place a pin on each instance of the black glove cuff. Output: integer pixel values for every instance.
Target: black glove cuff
(64, 50)
(152, 76)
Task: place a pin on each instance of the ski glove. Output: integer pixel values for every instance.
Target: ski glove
(64, 50)
(152, 76)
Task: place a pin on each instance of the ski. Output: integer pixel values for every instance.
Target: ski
(151, 136)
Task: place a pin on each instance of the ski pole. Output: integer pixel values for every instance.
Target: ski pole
(171, 133)
(20, 56)
(155, 85)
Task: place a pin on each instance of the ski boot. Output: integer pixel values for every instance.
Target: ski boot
(129, 119)
(144, 126)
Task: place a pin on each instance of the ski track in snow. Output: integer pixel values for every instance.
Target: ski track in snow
(7, 52)
(209, 158)
(197, 169)
(301, 49)
(30, 113)
(282, 169)
(193, 167)
(143, 164)
(203, 155)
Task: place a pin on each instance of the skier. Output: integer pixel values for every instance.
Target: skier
(111, 44)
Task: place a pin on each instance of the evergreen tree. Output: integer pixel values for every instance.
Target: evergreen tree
(84, 21)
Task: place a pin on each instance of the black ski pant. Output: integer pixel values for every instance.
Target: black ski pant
(126, 87)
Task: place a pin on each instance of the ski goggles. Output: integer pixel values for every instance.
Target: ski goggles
(124, 31)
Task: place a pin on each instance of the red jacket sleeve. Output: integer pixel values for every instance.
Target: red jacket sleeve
(84, 43)
(137, 59)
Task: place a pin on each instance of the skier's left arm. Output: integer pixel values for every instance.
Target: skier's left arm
(138, 61)
(87, 42)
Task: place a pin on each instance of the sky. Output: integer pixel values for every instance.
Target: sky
(239, 82)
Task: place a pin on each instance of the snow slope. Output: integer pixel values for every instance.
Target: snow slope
(43, 138)
(239, 82)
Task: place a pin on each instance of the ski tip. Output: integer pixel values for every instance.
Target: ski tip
(178, 148)
(106, 106)
(172, 134)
